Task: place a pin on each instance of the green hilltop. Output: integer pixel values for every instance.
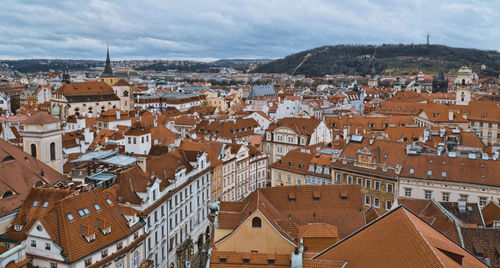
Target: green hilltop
(384, 59)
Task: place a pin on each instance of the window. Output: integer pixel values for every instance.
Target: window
(119, 246)
(360, 180)
(367, 200)
(339, 178)
(349, 179)
(279, 176)
(52, 151)
(70, 217)
(482, 201)
(45, 204)
(376, 202)
(246, 261)
(88, 261)
(408, 192)
(104, 253)
(222, 260)
(270, 262)
(288, 178)
(377, 185)
(256, 222)
(33, 150)
(53, 265)
(389, 187)
(388, 204)
(33, 243)
(463, 197)
(368, 184)
(35, 204)
(446, 197)
(428, 194)
(47, 246)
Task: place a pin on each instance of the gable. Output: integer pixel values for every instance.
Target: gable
(265, 239)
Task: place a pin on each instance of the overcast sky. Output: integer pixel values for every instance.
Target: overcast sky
(173, 29)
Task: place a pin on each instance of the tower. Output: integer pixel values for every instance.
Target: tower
(463, 85)
(42, 138)
(107, 76)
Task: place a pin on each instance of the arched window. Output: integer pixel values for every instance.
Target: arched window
(256, 222)
(33, 150)
(52, 151)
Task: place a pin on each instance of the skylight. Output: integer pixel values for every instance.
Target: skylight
(45, 204)
(70, 217)
(35, 203)
(97, 207)
(109, 201)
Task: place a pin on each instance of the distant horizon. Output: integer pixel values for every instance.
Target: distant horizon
(207, 60)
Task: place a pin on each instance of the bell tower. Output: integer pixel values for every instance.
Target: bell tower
(107, 76)
(42, 138)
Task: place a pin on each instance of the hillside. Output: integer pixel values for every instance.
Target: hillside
(389, 59)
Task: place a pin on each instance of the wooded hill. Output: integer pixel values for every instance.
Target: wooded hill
(384, 59)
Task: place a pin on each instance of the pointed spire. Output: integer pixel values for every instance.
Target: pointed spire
(108, 71)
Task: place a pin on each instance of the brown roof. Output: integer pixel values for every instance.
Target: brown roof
(85, 89)
(137, 129)
(456, 169)
(69, 234)
(121, 83)
(41, 118)
(20, 171)
(287, 215)
(304, 126)
(403, 235)
(45, 199)
(491, 213)
(235, 259)
(484, 243)
(372, 214)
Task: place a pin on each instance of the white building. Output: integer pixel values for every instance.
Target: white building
(450, 179)
(138, 139)
(174, 203)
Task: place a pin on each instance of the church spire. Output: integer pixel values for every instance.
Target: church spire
(107, 68)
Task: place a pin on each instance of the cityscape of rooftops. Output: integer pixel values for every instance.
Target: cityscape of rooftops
(297, 134)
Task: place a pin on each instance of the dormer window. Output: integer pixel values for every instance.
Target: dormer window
(18, 228)
(90, 238)
(311, 168)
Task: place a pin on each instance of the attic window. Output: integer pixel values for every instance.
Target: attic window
(291, 197)
(343, 195)
(83, 212)
(316, 196)
(70, 216)
(97, 207)
(429, 172)
(109, 201)
(18, 228)
(35, 203)
(478, 250)
(45, 204)
(412, 171)
(443, 174)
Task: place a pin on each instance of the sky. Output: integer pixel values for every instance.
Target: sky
(212, 29)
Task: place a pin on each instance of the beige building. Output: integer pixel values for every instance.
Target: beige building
(290, 133)
(42, 138)
(83, 98)
(213, 100)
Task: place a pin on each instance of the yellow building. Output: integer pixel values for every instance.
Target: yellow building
(269, 225)
(213, 100)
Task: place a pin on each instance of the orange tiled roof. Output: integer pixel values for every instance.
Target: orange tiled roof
(403, 235)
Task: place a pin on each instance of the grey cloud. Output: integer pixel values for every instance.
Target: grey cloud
(230, 29)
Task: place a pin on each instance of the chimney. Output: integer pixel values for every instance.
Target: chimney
(117, 114)
(461, 206)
